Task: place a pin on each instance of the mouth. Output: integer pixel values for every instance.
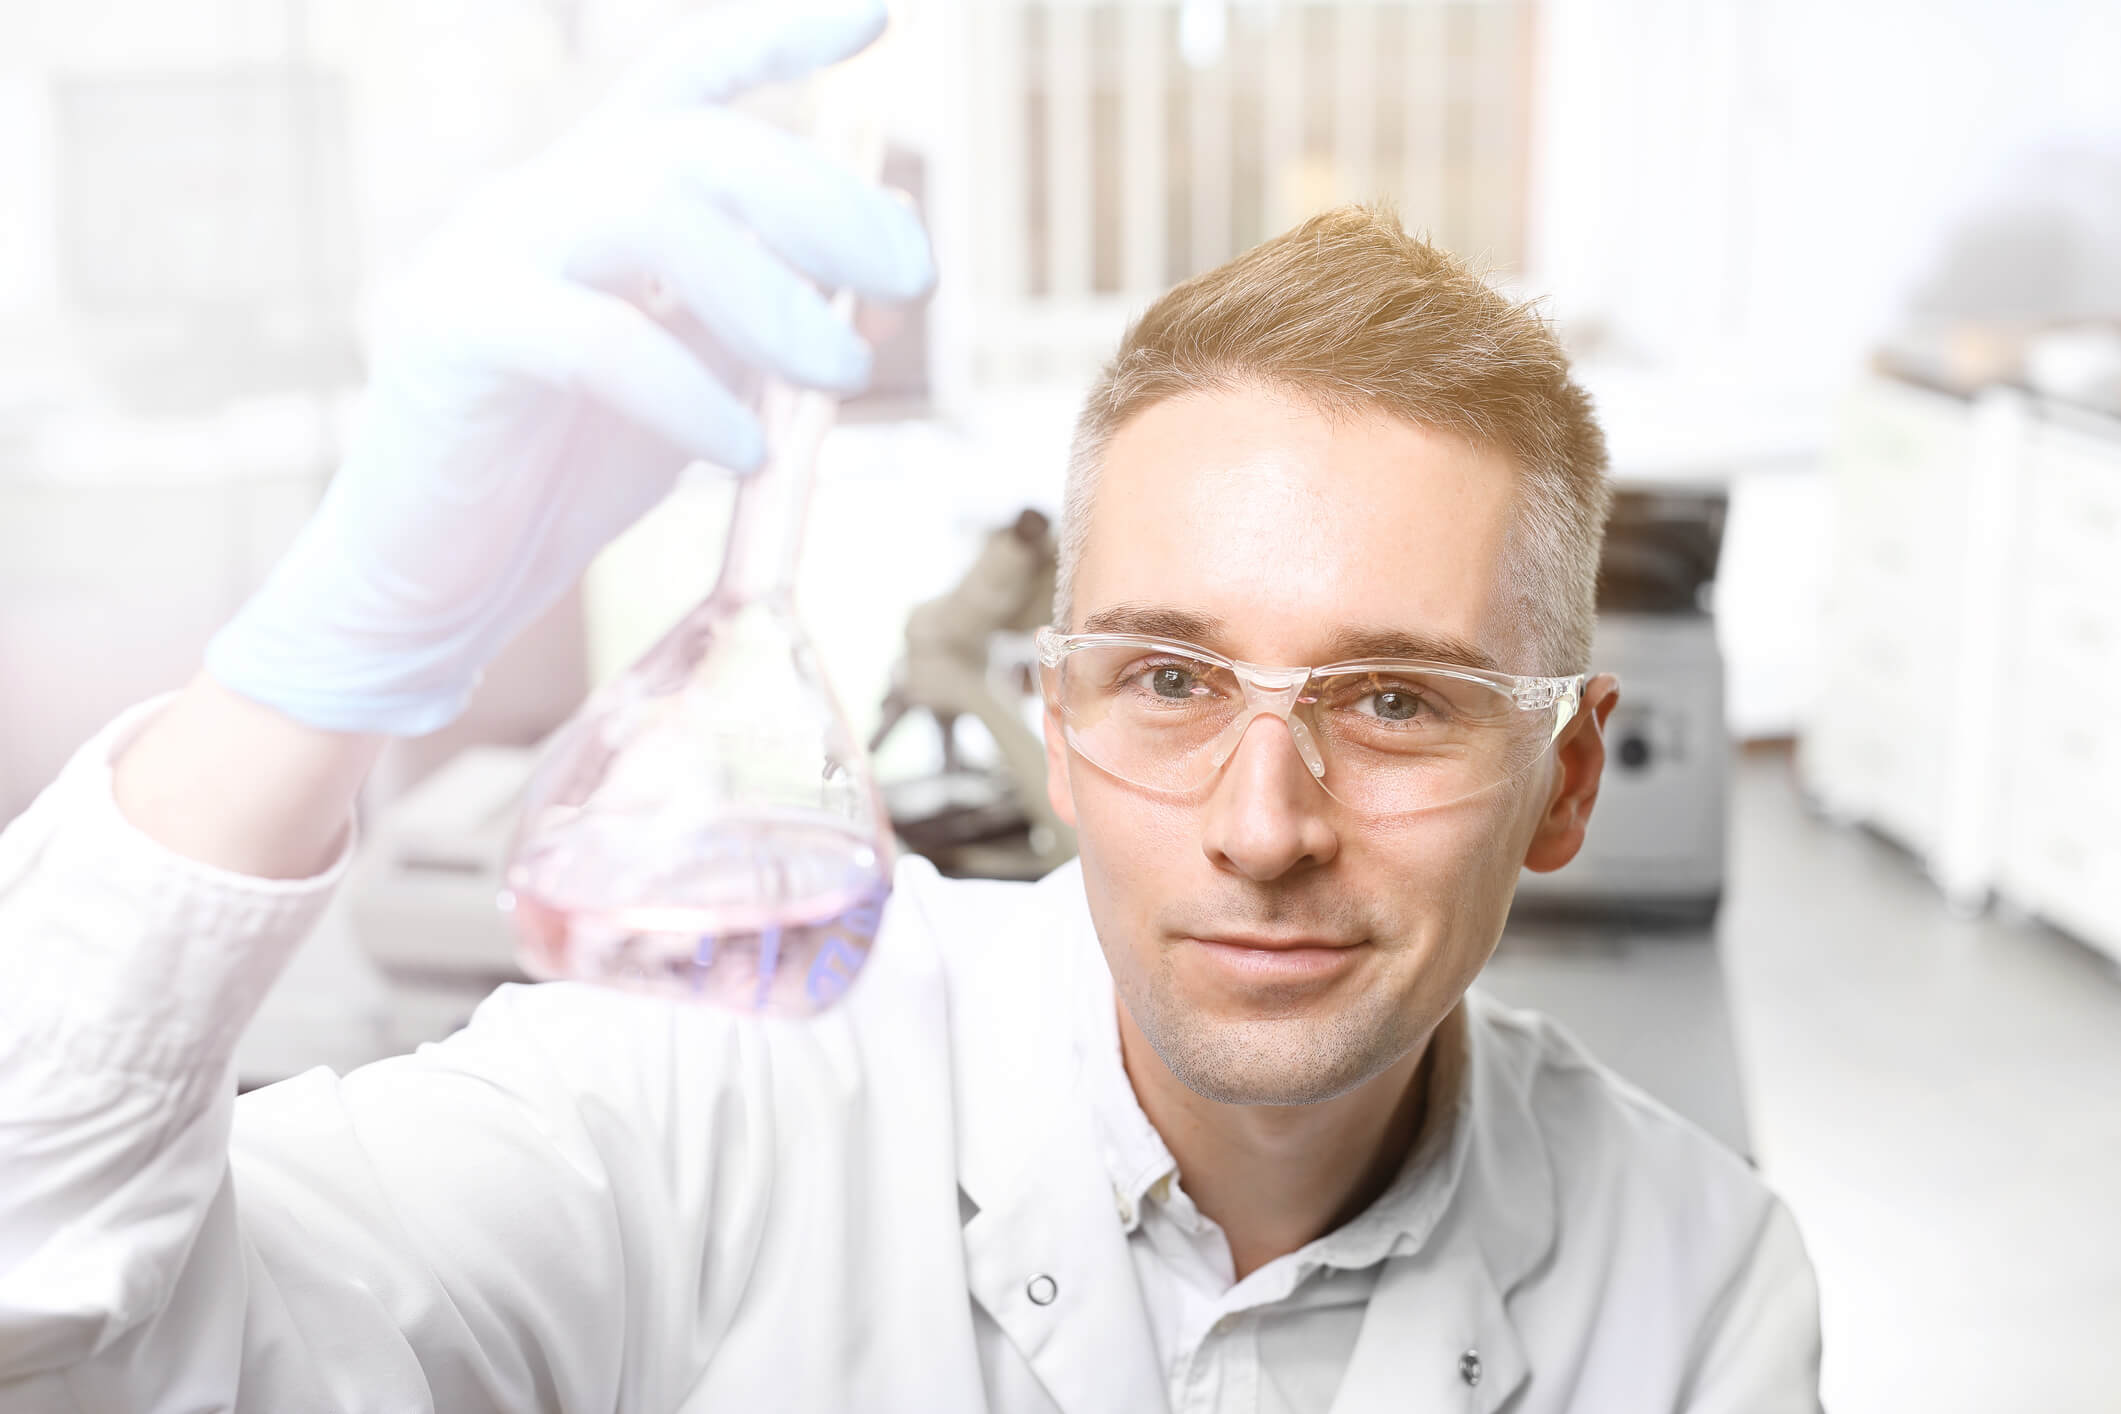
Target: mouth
(1262, 943)
(1275, 960)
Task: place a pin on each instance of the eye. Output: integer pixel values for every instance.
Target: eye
(1168, 682)
(1171, 681)
(1395, 705)
(1391, 702)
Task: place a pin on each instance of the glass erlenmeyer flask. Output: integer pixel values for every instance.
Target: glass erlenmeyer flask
(706, 827)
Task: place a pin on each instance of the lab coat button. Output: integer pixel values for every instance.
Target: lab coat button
(1042, 1289)
(1469, 1367)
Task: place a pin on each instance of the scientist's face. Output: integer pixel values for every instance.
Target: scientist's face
(1278, 530)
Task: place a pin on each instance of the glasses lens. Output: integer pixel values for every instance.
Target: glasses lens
(1409, 739)
(1145, 714)
(1392, 740)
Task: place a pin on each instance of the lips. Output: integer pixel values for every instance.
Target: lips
(1251, 962)
(1266, 944)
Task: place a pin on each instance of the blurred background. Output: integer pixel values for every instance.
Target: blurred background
(1843, 275)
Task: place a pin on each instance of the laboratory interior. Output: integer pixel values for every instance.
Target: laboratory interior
(1843, 278)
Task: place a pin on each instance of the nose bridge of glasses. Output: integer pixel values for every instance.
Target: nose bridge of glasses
(1275, 692)
(1264, 681)
(1282, 707)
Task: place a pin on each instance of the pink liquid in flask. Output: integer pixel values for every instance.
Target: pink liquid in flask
(772, 916)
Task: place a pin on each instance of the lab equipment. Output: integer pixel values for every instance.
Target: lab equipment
(966, 820)
(707, 826)
(1383, 736)
(1655, 849)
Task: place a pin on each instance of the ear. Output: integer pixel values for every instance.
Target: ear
(1060, 794)
(1580, 755)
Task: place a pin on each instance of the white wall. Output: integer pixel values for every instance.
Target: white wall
(1768, 179)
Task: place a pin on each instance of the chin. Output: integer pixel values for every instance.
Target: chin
(1283, 1061)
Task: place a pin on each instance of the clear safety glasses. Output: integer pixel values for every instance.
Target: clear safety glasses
(1383, 737)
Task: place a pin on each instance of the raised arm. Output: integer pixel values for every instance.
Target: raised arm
(420, 1234)
(234, 784)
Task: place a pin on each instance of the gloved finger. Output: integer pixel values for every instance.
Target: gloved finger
(571, 336)
(836, 228)
(758, 309)
(731, 48)
(641, 472)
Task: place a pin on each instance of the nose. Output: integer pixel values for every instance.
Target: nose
(1267, 814)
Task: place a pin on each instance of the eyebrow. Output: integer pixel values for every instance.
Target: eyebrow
(1347, 646)
(1352, 644)
(1156, 621)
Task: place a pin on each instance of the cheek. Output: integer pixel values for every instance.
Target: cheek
(1135, 855)
(1130, 842)
(1449, 876)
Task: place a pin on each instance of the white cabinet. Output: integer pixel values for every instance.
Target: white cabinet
(2061, 789)
(1970, 695)
(1882, 744)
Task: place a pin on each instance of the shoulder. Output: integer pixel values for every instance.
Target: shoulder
(1640, 1194)
(1598, 1127)
(1667, 1252)
(985, 932)
(952, 911)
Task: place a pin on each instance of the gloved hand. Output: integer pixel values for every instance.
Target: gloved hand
(527, 407)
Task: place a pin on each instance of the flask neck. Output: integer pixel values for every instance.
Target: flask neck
(773, 503)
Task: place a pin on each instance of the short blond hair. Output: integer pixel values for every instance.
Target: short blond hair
(1350, 313)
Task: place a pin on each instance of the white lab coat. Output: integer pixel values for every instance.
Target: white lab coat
(590, 1201)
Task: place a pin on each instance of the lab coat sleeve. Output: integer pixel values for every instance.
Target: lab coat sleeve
(1758, 1352)
(437, 1232)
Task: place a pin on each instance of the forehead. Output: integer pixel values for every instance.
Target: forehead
(1295, 527)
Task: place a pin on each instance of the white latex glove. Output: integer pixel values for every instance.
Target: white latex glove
(525, 409)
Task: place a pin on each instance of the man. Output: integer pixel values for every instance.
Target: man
(1207, 1122)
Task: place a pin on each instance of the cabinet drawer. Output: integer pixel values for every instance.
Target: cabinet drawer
(2062, 794)
(1898, 432)
(1889, 777)
(1899, 464)
(1902, 522)
(2061, 767)
(1892, 665)
(1911, 525)
(2068, 657)
(2070, 874)
(2073, 488)
(1862, 760)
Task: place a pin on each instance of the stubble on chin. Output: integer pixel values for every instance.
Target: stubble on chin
(1293, 1058)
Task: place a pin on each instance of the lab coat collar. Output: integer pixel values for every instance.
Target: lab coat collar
(1019, 1057)
(1029, 1161)
(1045, 1255)
(1437, 1335)
(1438, 1332)
(1506, 1191)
